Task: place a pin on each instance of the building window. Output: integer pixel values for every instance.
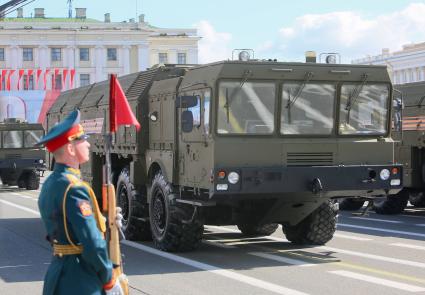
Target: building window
(1, 54)
(84, 54)
(112, 54)
(181, 58)
(162, 58)
(27, 54)
(84, 79)
(56, 54)
(57, 82)
(30, 82)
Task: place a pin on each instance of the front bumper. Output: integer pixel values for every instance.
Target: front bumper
(17, 164)
(329, 181)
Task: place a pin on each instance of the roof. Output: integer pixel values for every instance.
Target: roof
(48, 19)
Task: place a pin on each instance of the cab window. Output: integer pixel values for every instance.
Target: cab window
(12, 139)
(196, 111)
(31, 137)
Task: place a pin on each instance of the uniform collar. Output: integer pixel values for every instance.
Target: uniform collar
(62, 168)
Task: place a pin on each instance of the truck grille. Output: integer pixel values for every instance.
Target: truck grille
(308, 159)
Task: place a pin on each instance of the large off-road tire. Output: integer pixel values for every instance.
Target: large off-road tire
(350, 204)
(134, 208)
(417, 198)
(317, 228)
(31, 179)
(252, 230)
(392, 204)
(175, 226)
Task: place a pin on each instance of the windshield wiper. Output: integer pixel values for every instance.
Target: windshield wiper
(235, 92)
(354, 95)
(307, 78)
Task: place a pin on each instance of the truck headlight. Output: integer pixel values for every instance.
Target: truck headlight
(384, 174)
(233, 177)
(41, 161)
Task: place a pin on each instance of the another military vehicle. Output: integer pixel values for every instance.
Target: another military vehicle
(247, 143)
(410, 148)
(20, 162)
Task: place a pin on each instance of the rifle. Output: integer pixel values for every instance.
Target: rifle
(109, 205)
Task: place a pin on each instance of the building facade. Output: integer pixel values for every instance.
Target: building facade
(404, 66)
(61, 53)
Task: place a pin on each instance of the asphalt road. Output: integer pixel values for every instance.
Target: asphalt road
(372, 254)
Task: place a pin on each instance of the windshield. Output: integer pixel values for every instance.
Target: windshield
(12, 139)
(366, 113)
(31, 137)
(307, 108)
(246, 108)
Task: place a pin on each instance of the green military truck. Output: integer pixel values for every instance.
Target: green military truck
(247, 143)
(20, 162)
(411, 141)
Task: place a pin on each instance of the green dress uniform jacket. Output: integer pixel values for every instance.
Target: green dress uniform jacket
(69, 215)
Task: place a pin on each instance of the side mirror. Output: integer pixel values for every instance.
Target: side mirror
(186, 101)
(187, 121)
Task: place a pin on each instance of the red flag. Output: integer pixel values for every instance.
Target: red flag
(3, 79)
(72, 77)
(8, 79)
(39, 71)
(46, 72)
(65, 73)
(118, 104)
(56, 72)
(29, 74)
(21, 73)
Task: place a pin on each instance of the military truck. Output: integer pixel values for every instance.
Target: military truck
(20, 162)
(247, 143)
(411, 141)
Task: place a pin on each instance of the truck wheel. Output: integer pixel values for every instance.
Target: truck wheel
(249, 229)
(350, 204)
(317, 228)
(393, 204)
(32, 180)
(133, 208)
(175, 226)
(417, 198)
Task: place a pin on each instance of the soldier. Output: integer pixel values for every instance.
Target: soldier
(70, 212)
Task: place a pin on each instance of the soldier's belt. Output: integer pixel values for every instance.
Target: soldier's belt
(61, 250)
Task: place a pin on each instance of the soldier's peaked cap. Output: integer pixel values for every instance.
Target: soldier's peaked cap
(64, 132)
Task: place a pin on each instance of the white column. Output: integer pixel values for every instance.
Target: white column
(172, 56)
(143, 56)
(192, 57)
(423, 74)
(100, 63)
(125, 59)
(70, 57)
(43, 57)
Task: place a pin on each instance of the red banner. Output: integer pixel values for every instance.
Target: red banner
(21, 73)
(46, 72)
(3, 79)
(8, 86)
(29, 74)
(72, 77)
(65, 74)
(39, 71)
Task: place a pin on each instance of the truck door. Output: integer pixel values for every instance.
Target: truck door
(195, 150)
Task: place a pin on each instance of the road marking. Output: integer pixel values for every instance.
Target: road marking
(282, 259)
(20, 207)
(408, 246)
(216, 270)
(375, 257)
(230, 230)
(376, 219)
(406, 233)
(378, 281)
(21, 196)
(420, 224)
(15, 266)
(351, 237)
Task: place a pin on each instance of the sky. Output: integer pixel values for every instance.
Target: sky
(277, 29)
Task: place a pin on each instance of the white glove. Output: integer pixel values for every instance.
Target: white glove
(116, 289)
(118, 217)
